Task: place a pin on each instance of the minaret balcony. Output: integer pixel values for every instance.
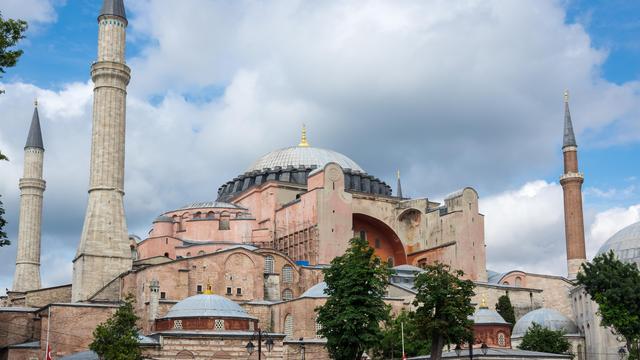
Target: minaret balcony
(572, 176)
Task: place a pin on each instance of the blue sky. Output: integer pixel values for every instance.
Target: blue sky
(467, 95)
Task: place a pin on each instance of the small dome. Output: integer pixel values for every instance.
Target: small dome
(625, 244)
(300, 156)
(547, 318)
(316, 291)
(488, 316)
(205, 305)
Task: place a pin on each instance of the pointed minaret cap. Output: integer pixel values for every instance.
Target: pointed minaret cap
(569, 136)
(114, 8)
(34, 139)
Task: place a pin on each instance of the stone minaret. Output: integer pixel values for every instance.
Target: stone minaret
(571, 182)
(27, 276)
(104, 251)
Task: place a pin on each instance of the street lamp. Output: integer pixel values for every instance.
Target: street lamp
(484, 348)
(622, 352)
(268, 343)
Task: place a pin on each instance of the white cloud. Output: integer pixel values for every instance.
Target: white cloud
(609, 222)
(452, 93)
(524, 229)
(32, 11)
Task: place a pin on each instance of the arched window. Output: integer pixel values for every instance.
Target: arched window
(363, 235)
(210, 215)
(268, 264)
(188, 254)
(287, 294)
(502, 340)
(288, 326)
(390, 261)
(223, 223)
(201, 252)
(166, 254)
(287, 274)
(518, 281)
(505, 283)
(197, 215)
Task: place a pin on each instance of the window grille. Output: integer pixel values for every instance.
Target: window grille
(268, 264)
(502, 341)
(177, 324)
(288, 326)
(287, 294)
(252, 326)
(238, 291)
(318, 328)
(219, 324)
(287, 274)
(228, 291)
(199, 289)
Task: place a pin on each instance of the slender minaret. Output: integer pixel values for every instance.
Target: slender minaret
(27, 276)
(104, 251)
(571, 182)
(399, 194)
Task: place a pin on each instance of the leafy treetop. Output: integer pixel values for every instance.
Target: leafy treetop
(117, 338)
(505, 309)
(11, 31)
(351, 317)
(538, 338)
(443, 306)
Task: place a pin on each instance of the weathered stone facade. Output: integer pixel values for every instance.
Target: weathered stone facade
(32, 186)
(104, 251)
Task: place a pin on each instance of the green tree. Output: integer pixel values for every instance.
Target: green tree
(4, 241)
(351, 317)
(443, 306)
(117, 338)
(11, 31)
(615, 287)
(390, 347)
(542, 339)
(505, 309)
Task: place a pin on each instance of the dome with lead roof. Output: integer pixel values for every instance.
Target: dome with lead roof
(207, 305)
(303, 157)
(625, 244)
(548, 318)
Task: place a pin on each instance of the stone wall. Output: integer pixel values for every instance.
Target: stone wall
(210, 347)
(43, 297)
(18, 326)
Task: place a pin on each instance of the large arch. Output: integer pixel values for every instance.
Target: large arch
(381, 238)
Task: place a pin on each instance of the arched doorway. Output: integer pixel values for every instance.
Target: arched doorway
(381, 238)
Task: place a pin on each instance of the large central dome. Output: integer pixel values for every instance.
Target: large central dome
(625, 244)
(303, 156)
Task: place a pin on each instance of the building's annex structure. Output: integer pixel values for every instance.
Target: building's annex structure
(213, 272)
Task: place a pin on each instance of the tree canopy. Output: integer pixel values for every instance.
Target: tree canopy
(117, 338)
(538, 338)
(351, 317)
(505, 309)
(443, 307)
(615, 287)
(11, 31)
(390, 347)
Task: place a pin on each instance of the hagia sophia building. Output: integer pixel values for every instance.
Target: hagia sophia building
(210, 274)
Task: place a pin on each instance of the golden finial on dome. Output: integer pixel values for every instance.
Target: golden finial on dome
(566, 96)
(483, 302)
(209, 290)
(303, 138)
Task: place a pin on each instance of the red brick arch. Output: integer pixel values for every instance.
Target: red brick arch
(379, 233)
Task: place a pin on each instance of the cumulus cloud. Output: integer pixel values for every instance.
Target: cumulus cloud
(609, 222)
(452, 93)
(33, 11)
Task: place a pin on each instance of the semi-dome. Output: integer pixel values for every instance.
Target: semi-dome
(548, 318)
(625, 244)
(303, 156)
(206, 305)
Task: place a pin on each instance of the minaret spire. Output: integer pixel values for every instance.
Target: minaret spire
(571, 182)
(399, 192)
(103, 252)
(32, 186)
